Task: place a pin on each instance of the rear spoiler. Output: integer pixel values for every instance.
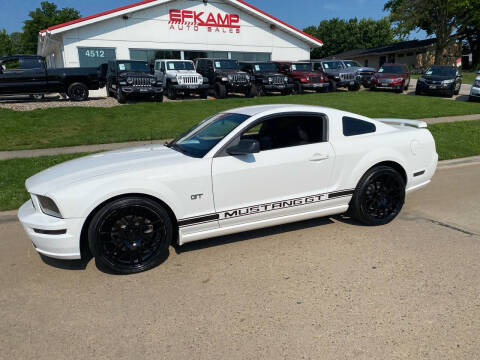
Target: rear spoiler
(402, 122)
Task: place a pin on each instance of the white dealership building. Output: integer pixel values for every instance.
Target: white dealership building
(178, 29)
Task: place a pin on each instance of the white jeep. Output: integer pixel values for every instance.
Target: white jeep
(180, 76)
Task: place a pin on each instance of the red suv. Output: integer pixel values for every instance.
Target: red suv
(391, 77)
(304, 78)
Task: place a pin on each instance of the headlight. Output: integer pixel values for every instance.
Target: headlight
(270, 80)
(174, 79)
(230, 77)
(200, 80)
(123, 83)
(152, 81)
(448, 82)
(225, 78)
(48, 206)
(398, 79)
(285, 79)
(129, 80)
(337, 77)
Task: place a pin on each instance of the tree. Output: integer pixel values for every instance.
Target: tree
(47, 15)
(5, 43)
(435, 17)
(468, 18)
(343, 35)
(16, 39)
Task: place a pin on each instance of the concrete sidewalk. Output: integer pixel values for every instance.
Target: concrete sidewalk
(5, 155)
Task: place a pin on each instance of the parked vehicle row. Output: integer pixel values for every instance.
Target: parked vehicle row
(28, 75)
(475, 91)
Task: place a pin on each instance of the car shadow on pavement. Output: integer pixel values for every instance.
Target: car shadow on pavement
(251, 235)
(67, 264)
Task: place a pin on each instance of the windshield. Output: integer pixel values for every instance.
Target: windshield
(226, 64)
(180, 65)
(265, 67)
(351, 63)
(202, 138)
(391, 70)
(332, 65)
(441, 71)
(302, 67)
(136, 66)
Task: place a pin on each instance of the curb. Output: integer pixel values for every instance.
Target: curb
(11, 215)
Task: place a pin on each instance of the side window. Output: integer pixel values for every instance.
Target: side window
(288, 131)
(11, 64)
(317, 67)
(162, 66)
(352, 126)
(31, 64)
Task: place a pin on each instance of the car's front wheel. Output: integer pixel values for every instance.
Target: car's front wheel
(379, 196)
(130, 235)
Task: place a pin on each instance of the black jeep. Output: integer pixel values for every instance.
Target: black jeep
(267, 78)
(128, 78)
(225, 76)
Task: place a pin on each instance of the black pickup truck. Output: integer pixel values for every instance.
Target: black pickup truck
(28, 75)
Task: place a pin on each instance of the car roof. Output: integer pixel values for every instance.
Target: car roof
(393, 64)
(259, 109)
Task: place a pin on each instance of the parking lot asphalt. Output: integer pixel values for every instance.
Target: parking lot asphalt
(322, 289)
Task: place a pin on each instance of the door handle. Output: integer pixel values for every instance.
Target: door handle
(319, 157)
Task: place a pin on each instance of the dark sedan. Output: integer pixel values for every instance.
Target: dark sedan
(442, 80)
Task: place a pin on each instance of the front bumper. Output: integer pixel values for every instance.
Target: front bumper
(277, 87)
(315, 86)
(346, 83)
(475, 92)
(435, 89)
(240, 87)
(52, 237)
(191, 87)
(387, 86)
(142, 90)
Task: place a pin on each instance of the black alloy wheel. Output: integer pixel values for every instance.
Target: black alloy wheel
(171, 92)
(379, 196)
(130, 235)
(78, 92)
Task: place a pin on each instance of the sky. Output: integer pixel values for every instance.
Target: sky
(299, 13)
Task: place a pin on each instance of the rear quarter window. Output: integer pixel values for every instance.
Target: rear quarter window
(352, 126)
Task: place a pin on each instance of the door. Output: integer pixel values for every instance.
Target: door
(290, 174)
(23, 76)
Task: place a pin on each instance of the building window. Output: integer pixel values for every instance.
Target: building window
(150, 55)
(251, 56)
(192, 55)
(94, 57)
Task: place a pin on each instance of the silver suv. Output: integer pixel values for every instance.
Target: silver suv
(180, 76)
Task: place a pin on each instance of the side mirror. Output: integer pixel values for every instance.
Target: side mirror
(245, 147)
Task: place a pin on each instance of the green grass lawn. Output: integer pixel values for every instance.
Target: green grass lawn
(467, 77)
(151, 121)
(454, 140)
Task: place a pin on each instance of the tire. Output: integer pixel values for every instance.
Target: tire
(354, 88)
(407, 85)
(400, 91)
(158, 98)
(471, 99)
(77, 92)
(171, 93)
(379, 196)
(418, 91)
(130, 235)
(204, 94)
(451, 93)
(110, 93)
(287, 92)
(373, 88)
(298, 88)
(260, 91)
(121, 98)
(333, 86)
(220, 91)
(252, 92)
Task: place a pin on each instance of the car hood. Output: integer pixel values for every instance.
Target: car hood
(339, 71)
(135, 74)
(107, 163)
(305, 73)
(363, 69)
(438, 77)
(388, 76)
(227, 72)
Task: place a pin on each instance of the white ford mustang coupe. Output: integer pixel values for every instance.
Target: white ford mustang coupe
(238, 170)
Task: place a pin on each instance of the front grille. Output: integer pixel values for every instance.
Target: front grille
(347, 77)
(366, 73)
(141, 82)
(189, 80)
(241, 78)
(316, 79)
(279, 80)
(433, 82)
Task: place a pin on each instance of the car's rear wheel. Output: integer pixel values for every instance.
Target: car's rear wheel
(379, 196)
(77, 92)
(130, 235)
